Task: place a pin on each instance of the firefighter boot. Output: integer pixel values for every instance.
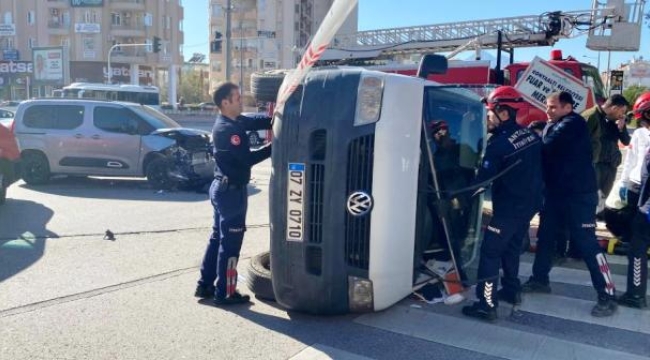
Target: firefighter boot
(509, 297)
(637, 280)
(606, 306)
(534, 286)
(481, 311)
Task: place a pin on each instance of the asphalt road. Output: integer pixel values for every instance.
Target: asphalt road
(66, 293)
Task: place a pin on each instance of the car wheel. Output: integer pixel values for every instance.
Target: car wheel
(36, 170)
(253, 138)
(265, 85)
(158, 174)
(258, 277)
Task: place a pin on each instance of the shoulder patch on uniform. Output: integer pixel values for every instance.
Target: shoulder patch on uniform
(235, 140)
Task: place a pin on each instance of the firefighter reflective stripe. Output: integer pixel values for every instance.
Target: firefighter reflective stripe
(488, 291)
(604, 269)
(231, 276)
(636, 272)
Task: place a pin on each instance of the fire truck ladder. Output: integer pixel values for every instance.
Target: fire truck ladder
(615, 25)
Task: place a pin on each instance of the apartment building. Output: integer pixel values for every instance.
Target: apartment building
(46, 44)
(266, 35)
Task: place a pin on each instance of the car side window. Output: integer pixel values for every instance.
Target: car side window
(120, 120)
(56, 117)
(115, 120)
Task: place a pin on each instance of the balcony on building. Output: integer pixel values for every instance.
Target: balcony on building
(128, 28)
(128, 4)
(57, 26)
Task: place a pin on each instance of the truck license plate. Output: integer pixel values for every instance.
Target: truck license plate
(295, 208)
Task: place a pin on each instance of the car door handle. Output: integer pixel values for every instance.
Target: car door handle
(78, 136)
(95, 137)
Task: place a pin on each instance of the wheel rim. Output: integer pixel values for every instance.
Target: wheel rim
(158, 176)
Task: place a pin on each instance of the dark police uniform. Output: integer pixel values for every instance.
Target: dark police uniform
(637, 270)
(570, 202)
(229, 198)
(516, 197)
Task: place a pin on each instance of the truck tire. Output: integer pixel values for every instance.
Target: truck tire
(258, 277)
(36, 169)
(265, 85)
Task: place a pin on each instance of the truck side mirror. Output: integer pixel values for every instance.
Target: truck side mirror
(432, 64)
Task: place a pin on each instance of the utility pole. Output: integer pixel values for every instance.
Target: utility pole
(241, 51)
(227, 49)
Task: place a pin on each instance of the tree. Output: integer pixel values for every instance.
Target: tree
(632, 92)
(194, 85)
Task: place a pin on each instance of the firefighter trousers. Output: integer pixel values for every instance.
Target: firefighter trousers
(575, 214)
(501, 248)
(637, 269)
(229, 204)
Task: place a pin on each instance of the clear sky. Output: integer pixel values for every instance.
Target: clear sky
(380, 14)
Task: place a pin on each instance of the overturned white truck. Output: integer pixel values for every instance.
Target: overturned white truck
(359, 169)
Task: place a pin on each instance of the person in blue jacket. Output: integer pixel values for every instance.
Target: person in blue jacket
(228, 195)
(637, 268)
(513, 159)
(571, 197)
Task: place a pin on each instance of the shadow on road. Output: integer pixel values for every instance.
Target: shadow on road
(24, 244)
(119, 189)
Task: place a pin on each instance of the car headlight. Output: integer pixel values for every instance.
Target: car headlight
(371, 89)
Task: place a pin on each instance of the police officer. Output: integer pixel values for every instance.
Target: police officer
(228, 195)
(513, 153)
(570, 201)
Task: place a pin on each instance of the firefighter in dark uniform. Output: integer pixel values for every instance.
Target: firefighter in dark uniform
(513, 155)
(228, 194)
(570, 201)
(637, 268)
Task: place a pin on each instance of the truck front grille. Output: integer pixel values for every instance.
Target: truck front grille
(357, 228)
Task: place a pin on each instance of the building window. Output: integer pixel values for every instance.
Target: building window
(8, 19)
(65, 42)
(32, 43)
(31, 18)
(216, 10)
(148, 19)
(116, 19)
(168, 22)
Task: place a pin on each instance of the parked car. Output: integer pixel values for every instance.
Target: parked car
(9, 161)
(6, 118)
(207, 106)
(92, 137)
(259, 137)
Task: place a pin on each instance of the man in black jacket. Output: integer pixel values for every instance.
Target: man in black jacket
(570, 201)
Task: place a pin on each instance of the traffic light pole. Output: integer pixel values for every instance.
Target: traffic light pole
(110, 51)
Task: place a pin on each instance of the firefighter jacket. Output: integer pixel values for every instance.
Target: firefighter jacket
(518, 192)
(605, 136)
(567, 157)
(232, 153)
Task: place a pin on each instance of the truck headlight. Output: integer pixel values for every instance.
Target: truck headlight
(360, 294)
(371, 89)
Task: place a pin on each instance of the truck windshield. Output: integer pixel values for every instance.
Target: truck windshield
(455, 119)
(591, 78)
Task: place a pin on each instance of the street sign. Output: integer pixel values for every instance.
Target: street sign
(542, 78)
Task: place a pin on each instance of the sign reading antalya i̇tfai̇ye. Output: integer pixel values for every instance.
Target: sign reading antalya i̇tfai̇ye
(542, 78)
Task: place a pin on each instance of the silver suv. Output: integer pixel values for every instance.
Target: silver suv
(90, 137)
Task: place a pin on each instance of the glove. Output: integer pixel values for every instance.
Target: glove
(622, 193)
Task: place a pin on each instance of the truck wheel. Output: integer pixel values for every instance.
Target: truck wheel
(265, 85)
(158, 174)
(258, 277)
(36, 169)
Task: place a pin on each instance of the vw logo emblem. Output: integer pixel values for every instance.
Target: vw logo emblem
(359, 203)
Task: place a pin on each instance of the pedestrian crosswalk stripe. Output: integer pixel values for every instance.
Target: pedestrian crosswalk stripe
(574, 276)
(488, 339)
(578, 310)
(323, 352)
